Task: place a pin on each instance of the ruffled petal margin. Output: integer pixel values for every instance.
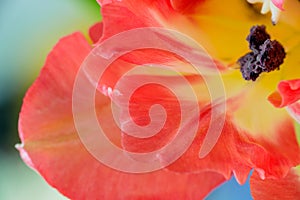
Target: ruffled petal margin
(241, 152)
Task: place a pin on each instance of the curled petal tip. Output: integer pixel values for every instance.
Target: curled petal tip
(274, 6)
(278, 4)
(288, 93)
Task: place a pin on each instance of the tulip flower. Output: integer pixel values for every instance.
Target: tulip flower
(255, 125)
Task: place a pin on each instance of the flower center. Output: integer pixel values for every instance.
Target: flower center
(266, 55)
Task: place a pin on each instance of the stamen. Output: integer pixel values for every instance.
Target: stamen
(250, 67)
(257, 37)
(271, 56)
(266, 56)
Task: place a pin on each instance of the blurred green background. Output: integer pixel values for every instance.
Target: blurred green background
(28, 31)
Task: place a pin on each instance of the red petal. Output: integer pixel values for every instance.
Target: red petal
(119, 17)
(51, 144)
(235, 139)
(48, 99)
(184, 6)
(139, 106)
(122, 16)
(126, 15)
(236, 151)
(75, 173)
(155, 90)
(269, 189)
(95, 31)
(222, 159)
(271, 149)
(288, 92)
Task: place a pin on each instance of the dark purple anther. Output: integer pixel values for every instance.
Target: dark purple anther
(266, 56)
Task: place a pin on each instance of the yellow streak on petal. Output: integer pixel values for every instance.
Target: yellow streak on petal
(257, 116)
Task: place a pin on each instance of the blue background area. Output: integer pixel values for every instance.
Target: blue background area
(28, 31)
(231, 190)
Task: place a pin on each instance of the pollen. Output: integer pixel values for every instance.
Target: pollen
(266, 55)
(250, 67)
(271, 55)
(257, 37)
